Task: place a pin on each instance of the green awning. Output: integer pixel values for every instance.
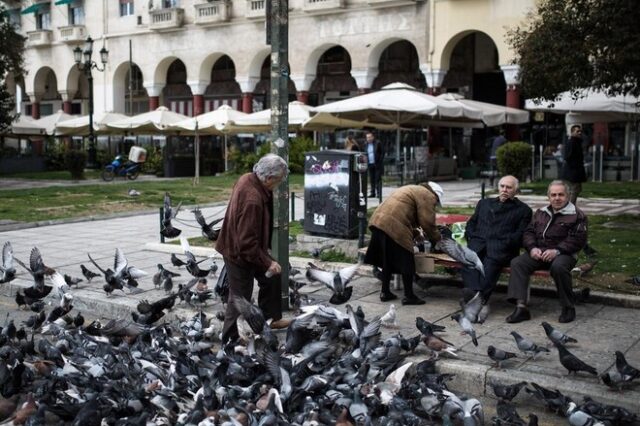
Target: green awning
(32, 9)
(61, 2)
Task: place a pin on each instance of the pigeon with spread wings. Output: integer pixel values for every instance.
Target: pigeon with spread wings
(168, 229)
(208, 230)
(335, 281)
(467, 257)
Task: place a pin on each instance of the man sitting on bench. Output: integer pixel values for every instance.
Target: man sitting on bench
(552, 241)
(494, 232)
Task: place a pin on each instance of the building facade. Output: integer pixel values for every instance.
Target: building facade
(193, 55)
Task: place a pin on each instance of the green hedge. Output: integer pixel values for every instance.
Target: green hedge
(514, 158)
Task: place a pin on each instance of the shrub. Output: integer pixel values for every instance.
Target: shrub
(514, 158)
(54, 155)
(297, 148)
(154, 165)
(74, 162)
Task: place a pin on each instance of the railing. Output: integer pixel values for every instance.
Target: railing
(311, 5)
(73, 33)
(39, 38)
(255, 9)
(162, 19)
(210, 13)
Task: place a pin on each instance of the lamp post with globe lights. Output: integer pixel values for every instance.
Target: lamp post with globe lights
(82, 57)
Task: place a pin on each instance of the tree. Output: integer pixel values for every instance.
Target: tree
(11, 61)
(568, 45)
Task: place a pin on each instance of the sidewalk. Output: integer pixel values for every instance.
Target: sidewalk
(600, 329)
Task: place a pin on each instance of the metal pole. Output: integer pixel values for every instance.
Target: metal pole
(533, 163)
(277, 35)
(161, 217)
(293, 207)
(130, 79)
(92, 148)
(601, 149)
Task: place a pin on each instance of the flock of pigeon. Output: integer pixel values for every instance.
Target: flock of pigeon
(332, 367)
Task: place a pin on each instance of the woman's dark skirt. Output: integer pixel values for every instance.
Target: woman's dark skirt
(385, 253)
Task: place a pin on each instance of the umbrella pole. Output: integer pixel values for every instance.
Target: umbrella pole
(398, 144)
(226, 160)
(196, 179)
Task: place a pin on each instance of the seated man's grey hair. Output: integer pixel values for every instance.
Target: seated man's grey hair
(555, 182)
(271, 165)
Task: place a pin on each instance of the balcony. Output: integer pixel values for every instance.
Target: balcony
(313, 5)
(39, 38)
(256, 9)
(166, 19)
(212, 13)
(391, 2)
(73, 33)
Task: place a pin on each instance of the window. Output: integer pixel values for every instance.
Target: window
(43, 19)
(169, 3)
(14, 18)
(126, 7)
(76, 14)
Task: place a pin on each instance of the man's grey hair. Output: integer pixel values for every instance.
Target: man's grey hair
(559, 182)
(516, 182)
(271, 165)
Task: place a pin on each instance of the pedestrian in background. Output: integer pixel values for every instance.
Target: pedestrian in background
(498, 141)
(375, 157)
(245, 242)
(350, 143)
(393, 226)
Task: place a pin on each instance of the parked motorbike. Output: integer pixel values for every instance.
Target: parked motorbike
(121, 167)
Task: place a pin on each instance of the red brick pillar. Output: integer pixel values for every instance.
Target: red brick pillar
(601, 135)
(154, 102)
(247, 102)
(198, 104)
(35, 110)
(302, 96)
(66, 107)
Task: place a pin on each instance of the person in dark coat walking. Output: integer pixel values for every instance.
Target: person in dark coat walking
(375, 159)
(552, 241)
(494, 232)
(573, 163)
(245, 240)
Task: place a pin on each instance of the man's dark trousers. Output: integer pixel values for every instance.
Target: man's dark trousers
(476, 282)
(560, 269)
(241, 285)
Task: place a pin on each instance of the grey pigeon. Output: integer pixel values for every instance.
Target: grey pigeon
(499, 355)
(192, 263)
(36, 268)
(88, 274)
(556, 335)
(465, 256)
(317, 251)
(177, 262)
(7, 268)
(467, 327)
(571, 362)
(507, 392)
(624, 368)
(526, 345)
(208, 230)
(335, 281)
(168, 230)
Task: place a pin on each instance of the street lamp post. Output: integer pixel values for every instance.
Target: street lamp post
(85, 64)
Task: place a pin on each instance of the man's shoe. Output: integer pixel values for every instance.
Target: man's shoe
(518, 315)
(372, 195)
(568, 314)
(412, 301)
(385, 296)
(280, 324)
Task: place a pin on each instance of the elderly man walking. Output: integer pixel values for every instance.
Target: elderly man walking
(552, 241)
(494, 232)
(245, 240)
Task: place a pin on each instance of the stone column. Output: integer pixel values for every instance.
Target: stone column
(364, 78)
(302, 96)
(434, 77)
(153, 90)
(36, 144)
(303, 84)
(512, 78)
(66, 100)
(197, 89)
(247, 86)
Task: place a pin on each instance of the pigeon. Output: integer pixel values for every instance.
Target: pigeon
(335, 281)
(426, 328)
(526, 345)
(615, 380)
(162, 274)
(88, 274)
(36, 268)
(571, 362)
(624, 368)
(473, 308)
(551, 398)
(556, 335)
(133, 193)
(123, 276)
(317, 251)
(577, 417)
(461, 254)
(192, 264)
(389, 318)
(498, 355)
(7, 268)
(207, 228)
(168, 229)
(72, 280)
(507, 392)
(507, 415)
(635, 280)
(467, 327)
(175, 261)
